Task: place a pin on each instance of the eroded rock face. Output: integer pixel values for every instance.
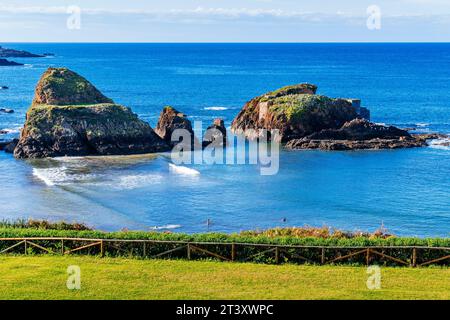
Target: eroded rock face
(216, 134)
(171, 120)
(68, 128)
(296, 111)
(61, 86)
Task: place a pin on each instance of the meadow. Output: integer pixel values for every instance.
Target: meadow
(45, 277)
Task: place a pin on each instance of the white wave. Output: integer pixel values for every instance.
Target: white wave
(380, 123)
(439, 143)
(48, 176)
(422, 124)
(216, 108)
(183, 170)
(137, 181)
(166, 227)
(11, 130)
(63, 176)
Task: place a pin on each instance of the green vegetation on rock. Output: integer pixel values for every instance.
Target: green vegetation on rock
(61, 86)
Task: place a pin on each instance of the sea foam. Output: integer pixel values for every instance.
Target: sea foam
(438, 144)
(166, 227)
(216, 108)
(183, 170)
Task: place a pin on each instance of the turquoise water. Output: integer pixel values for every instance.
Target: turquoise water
(407, 85)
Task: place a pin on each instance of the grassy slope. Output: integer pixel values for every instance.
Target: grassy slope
(44, 277)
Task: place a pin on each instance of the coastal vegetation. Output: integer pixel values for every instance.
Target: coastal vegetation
(45, 277)
(310, 236)
(274, 246)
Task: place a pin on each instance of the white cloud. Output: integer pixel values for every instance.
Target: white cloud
(217, 15)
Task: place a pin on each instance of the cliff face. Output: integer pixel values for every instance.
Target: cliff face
(296, 111)
(70, 117)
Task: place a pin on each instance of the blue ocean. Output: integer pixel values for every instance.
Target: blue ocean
(407, 191)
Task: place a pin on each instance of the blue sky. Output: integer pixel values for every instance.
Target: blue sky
(224, 21)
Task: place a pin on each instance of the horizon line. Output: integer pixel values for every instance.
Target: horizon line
(229, 42)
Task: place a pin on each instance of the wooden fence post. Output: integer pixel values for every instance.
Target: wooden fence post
(62, 246)
(102, 249)
(145, 249)
(414, 257)
(322, 257)
(25, 243)
(188, 247)
(367, 256)
(277, 255)
(233, 252)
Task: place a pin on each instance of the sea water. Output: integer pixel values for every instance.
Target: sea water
(408, 191)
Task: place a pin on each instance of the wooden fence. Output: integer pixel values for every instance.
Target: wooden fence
(414, 256)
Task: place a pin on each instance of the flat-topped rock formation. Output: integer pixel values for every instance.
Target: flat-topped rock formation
(358, 134)
(70, 117)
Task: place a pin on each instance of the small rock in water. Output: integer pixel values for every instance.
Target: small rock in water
(4, 110)
(8, 146)
(216, 134)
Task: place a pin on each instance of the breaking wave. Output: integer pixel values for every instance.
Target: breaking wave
(442, 143)
(166, 227)
(183, 170)
(216, 108)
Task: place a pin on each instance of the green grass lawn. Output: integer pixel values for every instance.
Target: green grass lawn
(44, 277)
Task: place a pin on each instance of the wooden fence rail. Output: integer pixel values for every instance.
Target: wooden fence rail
(414, 256)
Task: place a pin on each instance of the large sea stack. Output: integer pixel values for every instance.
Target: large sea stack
(306, 120)
(296, 111)
(70, 117)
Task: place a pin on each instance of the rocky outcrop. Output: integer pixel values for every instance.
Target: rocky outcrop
(360, 129)
(216, 134)
(296, 111)
(170, 120)
(7, 63)
(358, 134)
(11, 53)
(70, 117)
(374, 144)
(61, 86)
(306, 120)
